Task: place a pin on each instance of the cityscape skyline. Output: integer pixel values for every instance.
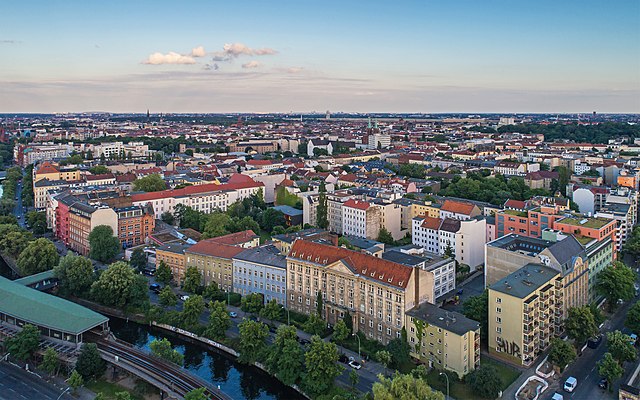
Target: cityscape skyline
(492, 57)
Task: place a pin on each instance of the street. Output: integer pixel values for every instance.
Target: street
(16, 384)
(18, 211)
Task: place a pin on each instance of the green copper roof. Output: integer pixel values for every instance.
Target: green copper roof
(45, 310)
(31, 279)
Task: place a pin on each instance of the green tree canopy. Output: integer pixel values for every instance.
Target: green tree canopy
(485, 381)
(219, 321)
(620, 346)
(562, 353)
(252, 340)
(192, 282)
(104, 246)
(286, 358)
(162, 348)
(385, 237)
(89, 364)
(119, 286)
(99, 170)
(609, 369)
(75, 274)
(50, 362)
(167, 298)
(633, 318)
(580, 324)
(39, 256)
(321, 361)
(406, 387)
(138, 259)
(163, 273)
(272, 310)
(616, 282)
(75, 380)
(192, 309)
(340, 331)
(252, 303)
(24, 343)
(149, 183)
(196, 394)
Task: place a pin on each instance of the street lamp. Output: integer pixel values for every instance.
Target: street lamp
(358, 337)
(65, 391)
(446, 376)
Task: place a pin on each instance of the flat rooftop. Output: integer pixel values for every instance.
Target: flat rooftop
(525, 281)
(594, 223)
(448, 320)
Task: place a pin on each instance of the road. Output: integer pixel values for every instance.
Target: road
(18, 384)
(18, 211)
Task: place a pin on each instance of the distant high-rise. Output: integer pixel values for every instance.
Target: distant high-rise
(327, 115)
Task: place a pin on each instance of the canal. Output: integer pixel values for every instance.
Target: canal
(237, 380)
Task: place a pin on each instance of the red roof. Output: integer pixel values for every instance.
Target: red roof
(517, 204)
(359, 204)
(370, 267)
(235, 239)
(431, 223)
(239, 178)
(457, 207)
(125, 178)
(99, 177)
(189, 190)
(209, 248)
(47, 168)
(259, 162)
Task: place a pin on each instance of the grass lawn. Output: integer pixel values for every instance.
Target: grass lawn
(507, 373)
(108, 389)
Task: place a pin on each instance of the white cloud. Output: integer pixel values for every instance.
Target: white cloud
(169, 58)
(234, 50)
(198, 52)
(251, 64)
(294, 70)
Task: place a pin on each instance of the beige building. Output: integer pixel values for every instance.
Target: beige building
(524, 313)
(375, 292)
(84, 218)
(173, 255)
(214, 261)
(443, 339)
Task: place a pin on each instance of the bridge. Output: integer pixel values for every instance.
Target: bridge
(175, 381)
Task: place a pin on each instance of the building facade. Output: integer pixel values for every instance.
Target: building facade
(261, 270)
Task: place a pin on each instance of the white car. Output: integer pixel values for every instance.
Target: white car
(184, 297)
(355, 365)
(570, 384)
(557, 396)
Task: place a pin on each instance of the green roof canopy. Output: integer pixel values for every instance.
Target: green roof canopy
(44, 310)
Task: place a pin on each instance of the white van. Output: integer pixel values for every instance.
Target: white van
(570, 384)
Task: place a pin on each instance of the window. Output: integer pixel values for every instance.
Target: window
(499, 329)
(498, 300)
(499, 320)
(498, 310)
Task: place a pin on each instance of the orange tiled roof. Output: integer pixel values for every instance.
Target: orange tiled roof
(359, 204)
(209, 248)
(431, 223)
(457, 207)
(47, 168)
(189, 190)
(384, 271)
(234, 239)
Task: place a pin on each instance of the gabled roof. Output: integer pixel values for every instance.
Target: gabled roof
(265, 255)
(431, 223)
(236, 238)
(370, 267)
(47, 168)
(359, 204)
(450, 225)
(457, 207)
(191, 190)
(209, 248)
(517, 204)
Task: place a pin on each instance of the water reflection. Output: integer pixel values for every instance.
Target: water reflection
(237, 380)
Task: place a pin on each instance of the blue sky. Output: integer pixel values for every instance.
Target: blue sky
(401, 56)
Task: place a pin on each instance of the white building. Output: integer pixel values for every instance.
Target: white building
(379, 141)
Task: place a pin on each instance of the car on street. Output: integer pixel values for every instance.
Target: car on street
(557, 396)
(355, 365)
(273, 329)
(233, 314)
(154, 287)
(343, 359)
(603, 384)
(633, 339)
(184, 297)
(303, 342)
(570, 384)
(594, 342)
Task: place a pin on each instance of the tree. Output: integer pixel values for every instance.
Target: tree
(385, 237)
(167, 298)
(50, 362)
(211, 291)
(119, 286)
(123, 396)
(163, 273)
(616, 282)
(319, 304)
(138, 259)
(13, 243)
(75, 380)
(354, 378)
(219, 321)
(598, 316)
(168, 218)
(272, 218)
(272, 310)
(99, 169)
(162, 348)
(216, 225)
(192, 282)
(322, 209)
(477, 308)
(348, 321)
(620, 347)
(252, 340)
(286, 358)
(562, 353)
(406, 387)
(340, 331)
(383, 357)
(252, 303)
(192, 309)
(633, 318)
(89, 364)
(448, 251)
(399, 349)
(580, 324)
(149, 183)
(39, 256)
(196, 394)
(321, 361)
(609, 369)
(485, 381)
(75, 274)
(24, 343)
(103, 245)
(314, 325)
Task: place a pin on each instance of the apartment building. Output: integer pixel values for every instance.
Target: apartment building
(173, 255)
(527, 219)
(214, 261)
(285, 241)
(458, 210)
(523, 313)
(444, 340)
(26, 154)
(83, 218)
(135, 224)
(261, 270)
(335, 202)
(623, 216)
(375, 292)
(361, 219)
(205, 198)
(589, 199)
(52, 171)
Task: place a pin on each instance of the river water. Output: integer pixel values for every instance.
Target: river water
(237, 380)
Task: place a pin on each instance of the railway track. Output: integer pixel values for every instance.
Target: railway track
(179, 380)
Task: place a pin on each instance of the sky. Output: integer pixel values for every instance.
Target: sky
(428, 56)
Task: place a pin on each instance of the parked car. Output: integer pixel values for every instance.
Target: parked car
(233, 314)
(557, 396)
(634, 339)
(303, 342)
(355, 365)
(594, 342)
(154, 287)
(273, 329)
(343, 359)
(570, 384)
(603, 384)
(184, 297)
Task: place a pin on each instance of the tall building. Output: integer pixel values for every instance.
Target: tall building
(261, 270)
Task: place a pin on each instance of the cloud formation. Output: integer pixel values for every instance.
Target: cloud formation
(251, 64)
(198, 52)
(169, 58)
(235, 50)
